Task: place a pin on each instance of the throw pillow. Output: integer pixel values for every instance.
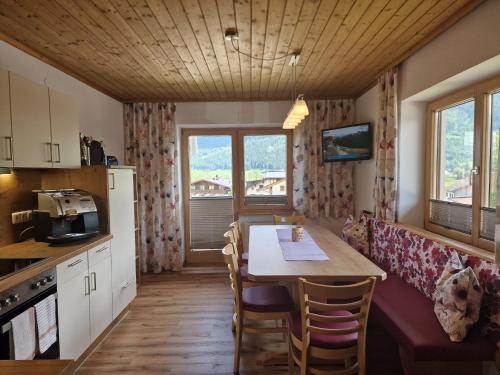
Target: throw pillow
(458, 299)
(356, 234)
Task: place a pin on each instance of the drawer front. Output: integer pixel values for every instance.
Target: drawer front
(100, 252)
(72, 268)
(123, 294)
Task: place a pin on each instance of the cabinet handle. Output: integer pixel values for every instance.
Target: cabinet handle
(58, 152)
(94, 277)
(9, 143)
(125, 285)
(112, 179)
(50, 151)
(87, 285)
(101, 249)
(75, 262)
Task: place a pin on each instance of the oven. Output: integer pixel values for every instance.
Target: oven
(18, 299)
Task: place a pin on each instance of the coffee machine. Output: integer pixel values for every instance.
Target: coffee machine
(65, 215)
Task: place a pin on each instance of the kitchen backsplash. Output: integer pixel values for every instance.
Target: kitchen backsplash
(16, 195)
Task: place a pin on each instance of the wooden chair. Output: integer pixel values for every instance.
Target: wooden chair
(293, 219)
(259, 303)
(238, 239)
(330, 337)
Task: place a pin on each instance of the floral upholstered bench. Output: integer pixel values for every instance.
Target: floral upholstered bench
(404, 304)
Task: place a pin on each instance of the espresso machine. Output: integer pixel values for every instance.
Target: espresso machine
(64, 216)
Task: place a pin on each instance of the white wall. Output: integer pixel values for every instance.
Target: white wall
(221, 114)
(364, 171)
(100, 116)
(472, 40)
(411, 163)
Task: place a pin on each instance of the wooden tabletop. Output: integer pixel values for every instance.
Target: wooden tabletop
(52, 255)
(36, 367)
(266, 262)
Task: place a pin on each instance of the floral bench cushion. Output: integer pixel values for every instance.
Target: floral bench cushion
(420, 261)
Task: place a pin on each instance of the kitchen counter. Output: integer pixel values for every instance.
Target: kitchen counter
(37, 367)
(52, 255)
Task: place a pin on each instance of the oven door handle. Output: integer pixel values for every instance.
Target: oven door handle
(8, 326)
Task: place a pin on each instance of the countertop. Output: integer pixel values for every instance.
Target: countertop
(36, 367)
(53, 254)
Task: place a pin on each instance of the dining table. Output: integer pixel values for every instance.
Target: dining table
(266, 259)
(331, 260)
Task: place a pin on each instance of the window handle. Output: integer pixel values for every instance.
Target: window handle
(473, 172)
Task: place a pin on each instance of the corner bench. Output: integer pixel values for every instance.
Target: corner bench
(402, 305)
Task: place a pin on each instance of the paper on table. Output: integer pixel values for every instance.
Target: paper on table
(303, 250)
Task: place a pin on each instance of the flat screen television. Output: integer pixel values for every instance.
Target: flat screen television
(352, 142)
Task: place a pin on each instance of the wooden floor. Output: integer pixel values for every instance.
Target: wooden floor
(180, 324)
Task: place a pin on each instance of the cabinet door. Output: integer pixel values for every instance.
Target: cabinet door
(6, 157)
(65, 128)
(101, 298)
(73, 305)
(122, 226)
(32, 142)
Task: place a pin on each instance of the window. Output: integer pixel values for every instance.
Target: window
(265, 165)
(462, 166)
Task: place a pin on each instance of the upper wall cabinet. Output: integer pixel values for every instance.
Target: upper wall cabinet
(44, 126)
(64, 125)
(32, 144)
(6, 157)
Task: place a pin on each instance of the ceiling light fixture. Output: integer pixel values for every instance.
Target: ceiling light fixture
(299, 110)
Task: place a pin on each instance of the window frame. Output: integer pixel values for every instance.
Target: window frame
(250, 209)
(482, 125)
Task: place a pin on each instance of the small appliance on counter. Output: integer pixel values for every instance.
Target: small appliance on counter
(64, 216)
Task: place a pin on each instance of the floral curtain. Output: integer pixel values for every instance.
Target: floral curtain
(150, 145)
(385, 191)
(322, 189)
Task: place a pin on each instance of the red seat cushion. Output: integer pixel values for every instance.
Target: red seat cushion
(326, 341)
(272, 298)
(244, 257)
(409, 317)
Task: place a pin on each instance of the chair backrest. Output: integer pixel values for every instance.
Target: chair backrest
(293, 219)
(231, 260)
(238, 238)
(229, 237)
(317, 302)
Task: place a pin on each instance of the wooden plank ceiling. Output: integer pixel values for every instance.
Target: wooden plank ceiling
(175, 49)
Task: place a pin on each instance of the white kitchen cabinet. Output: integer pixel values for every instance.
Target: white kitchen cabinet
(32, 143)
(84, 299)
(101, 297)
(73, 304)
(64, 128)
(6, 156)
(38, 126)
(122, 227)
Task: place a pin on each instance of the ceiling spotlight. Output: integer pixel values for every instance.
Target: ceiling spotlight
(231, 34)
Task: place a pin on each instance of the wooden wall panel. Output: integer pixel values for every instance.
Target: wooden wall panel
(175, 49)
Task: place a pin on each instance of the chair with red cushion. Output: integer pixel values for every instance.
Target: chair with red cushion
(328, 335)
(259, 303)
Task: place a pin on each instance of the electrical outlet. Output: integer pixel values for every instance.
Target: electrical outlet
(21, 217)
